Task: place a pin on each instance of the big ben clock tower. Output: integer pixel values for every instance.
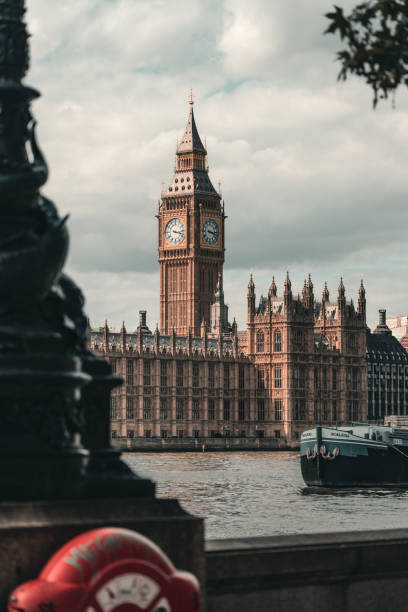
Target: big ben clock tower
(191, 239)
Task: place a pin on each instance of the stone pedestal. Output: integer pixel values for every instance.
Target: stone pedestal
(30, 532)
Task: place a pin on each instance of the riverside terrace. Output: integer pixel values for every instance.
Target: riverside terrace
(59, 476)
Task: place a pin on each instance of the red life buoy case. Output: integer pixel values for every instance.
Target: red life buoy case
(108, 570)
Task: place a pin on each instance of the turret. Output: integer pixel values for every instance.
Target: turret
(309, 295)
(272, 289)
(341, 298)
(204, 336)
(173, 341)
(251, 299)
(123, 338)
(362, 301)
(325, 294)
(156, 339)
(106, 336)
(287, 294)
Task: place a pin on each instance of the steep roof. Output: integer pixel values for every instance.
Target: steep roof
(385, 345)
(191, 140)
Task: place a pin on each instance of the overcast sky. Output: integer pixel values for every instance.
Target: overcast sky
(313, 179)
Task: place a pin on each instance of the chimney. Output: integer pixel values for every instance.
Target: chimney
(382, 327)
(142, 318)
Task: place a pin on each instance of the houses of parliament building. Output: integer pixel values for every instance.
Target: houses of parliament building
(300, 361)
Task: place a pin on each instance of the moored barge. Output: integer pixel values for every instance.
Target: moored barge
(355, 456)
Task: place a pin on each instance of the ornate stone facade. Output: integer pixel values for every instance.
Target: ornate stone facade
(298, 362)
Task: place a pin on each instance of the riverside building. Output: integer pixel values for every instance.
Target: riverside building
(387, 369)
(298, 362)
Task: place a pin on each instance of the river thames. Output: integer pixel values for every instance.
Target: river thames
(259, 494)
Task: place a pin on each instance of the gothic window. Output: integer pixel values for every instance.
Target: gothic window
(226, 377)
(129, 408)
(196, 433)
(211, 410)
(163, 373)
(129, 371)
(183, 279)
(355, 379)
(298, 338)
(334, 379)
(114, 408)
(163, 410)
(196, 410)
(278, 378)
(146, 373)
(179, 410)
(148, 433)
(241, 377)
(146, 409)
(316, 411)
(348, 377)
(261, 410)
(260, 342)
(241, 410)
(113, 364)
(163, 433)
(324, 378)
(355, 410)
(325, 413)
(196, 375)
(302, 377)
(211, 375)
(130, 433)
(334, 410)
(277, 341)
(278, 410)
(261, 379)
(226, 410)
(180, 374)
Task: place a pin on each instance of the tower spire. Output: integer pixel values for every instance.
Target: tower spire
(191, 141)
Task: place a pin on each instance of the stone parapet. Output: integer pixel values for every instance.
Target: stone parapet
(340, 572)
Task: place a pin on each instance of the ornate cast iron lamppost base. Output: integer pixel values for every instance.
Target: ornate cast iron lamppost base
(42, 340)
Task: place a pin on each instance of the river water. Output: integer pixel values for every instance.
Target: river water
(259, 494)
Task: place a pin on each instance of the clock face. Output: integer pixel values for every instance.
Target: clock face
(210, 231)
(175, 231)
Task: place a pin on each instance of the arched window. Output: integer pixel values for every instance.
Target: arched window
(277, 341)
(260, 342)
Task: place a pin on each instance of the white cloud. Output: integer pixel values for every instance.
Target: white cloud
(313, 179)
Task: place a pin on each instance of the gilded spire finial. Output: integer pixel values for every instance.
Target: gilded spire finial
(192, 96)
